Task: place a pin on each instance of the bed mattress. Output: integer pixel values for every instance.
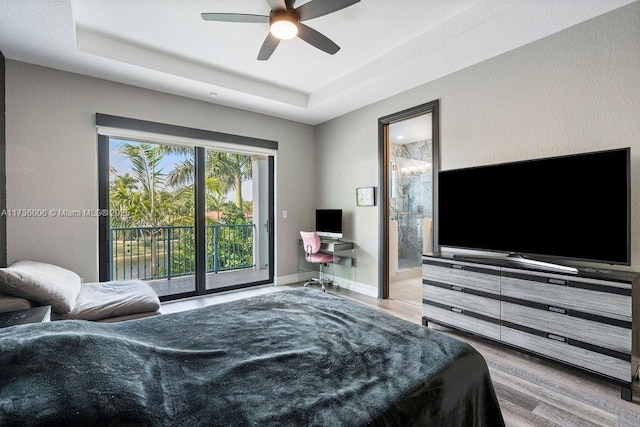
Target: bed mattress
(295, 358)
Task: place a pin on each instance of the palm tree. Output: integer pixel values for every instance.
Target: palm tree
(234, 169)
(224, 172)
(181, 177)
(121, 189)
(152, 198)
(125, 181)
(148, 206)
(146, 167)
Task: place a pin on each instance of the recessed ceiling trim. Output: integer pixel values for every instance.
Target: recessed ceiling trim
(117, 50)
(173, 50)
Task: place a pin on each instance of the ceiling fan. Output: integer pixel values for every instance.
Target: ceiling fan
(285, 23)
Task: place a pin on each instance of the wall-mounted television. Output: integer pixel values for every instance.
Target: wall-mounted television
(329, 223)
(574, 207)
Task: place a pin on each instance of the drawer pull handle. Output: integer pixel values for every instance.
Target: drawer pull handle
(457, 310)
(457, 266)
(457, 288)
(556, 338)
(557, 282)
(558, 309)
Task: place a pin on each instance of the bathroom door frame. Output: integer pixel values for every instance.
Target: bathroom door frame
(384, 174)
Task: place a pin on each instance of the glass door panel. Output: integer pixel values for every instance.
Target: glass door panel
(237, 215)
(188, 220)
(152, 210)
(410, 202)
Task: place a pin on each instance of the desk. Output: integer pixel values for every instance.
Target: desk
(342, 270)
(342, 248)
(331, 246)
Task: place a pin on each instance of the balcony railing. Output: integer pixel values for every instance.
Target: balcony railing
(164, 252)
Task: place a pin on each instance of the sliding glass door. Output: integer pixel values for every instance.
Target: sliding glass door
(188, 220)
(152, 215)
(237, 218)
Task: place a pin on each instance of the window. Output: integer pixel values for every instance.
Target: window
(189, 211)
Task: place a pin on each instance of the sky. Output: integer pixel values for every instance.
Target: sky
(122, 165)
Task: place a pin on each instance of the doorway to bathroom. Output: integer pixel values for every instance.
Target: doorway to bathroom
(409, 170)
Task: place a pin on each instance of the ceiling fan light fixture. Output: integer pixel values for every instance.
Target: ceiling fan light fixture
(284, 26)
(285, 22)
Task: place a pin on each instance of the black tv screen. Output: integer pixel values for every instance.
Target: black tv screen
(574, 207)
(329, 223)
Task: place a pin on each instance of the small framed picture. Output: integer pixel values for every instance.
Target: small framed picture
(366, 196)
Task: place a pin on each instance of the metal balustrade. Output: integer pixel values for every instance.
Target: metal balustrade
(149, 253)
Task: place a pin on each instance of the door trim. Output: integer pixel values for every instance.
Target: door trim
(383, 161)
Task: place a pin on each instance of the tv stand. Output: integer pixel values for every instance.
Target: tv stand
(584, 319)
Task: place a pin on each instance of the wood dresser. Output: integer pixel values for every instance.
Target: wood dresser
(585, 320)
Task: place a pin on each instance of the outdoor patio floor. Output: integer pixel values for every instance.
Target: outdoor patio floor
(222, 279)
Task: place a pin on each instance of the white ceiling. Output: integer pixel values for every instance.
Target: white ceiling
(387, 47)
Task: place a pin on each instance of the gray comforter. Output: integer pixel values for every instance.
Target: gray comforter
(296, 358)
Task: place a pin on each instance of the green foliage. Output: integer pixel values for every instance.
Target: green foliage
(150, 197)
(232, 214)
(183, 259)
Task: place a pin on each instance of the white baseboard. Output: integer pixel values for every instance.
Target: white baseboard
(371, 291)
(368, 290)
(286, 280)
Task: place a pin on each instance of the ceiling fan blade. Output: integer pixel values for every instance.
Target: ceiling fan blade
(234, 17)
(277, 4)
(269, 45)
(316, 8)
(316, 39)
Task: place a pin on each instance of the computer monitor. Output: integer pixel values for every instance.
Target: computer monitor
(329, 223)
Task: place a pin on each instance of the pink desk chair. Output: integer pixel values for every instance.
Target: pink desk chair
(311, 244)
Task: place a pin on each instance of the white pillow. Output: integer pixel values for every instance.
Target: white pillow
(45, 283)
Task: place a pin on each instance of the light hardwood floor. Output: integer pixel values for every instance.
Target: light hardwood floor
(407, 290)
(531, 391)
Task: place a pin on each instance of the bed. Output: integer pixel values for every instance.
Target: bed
(27, 283)
(293, 357)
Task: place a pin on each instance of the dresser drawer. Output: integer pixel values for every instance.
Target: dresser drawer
(599, 332)
(462, 319)
(596, 362)
(465, 298)
(590, 296)
(480, 277)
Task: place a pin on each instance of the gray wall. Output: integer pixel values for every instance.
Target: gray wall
(575, 91)
(52, 160)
